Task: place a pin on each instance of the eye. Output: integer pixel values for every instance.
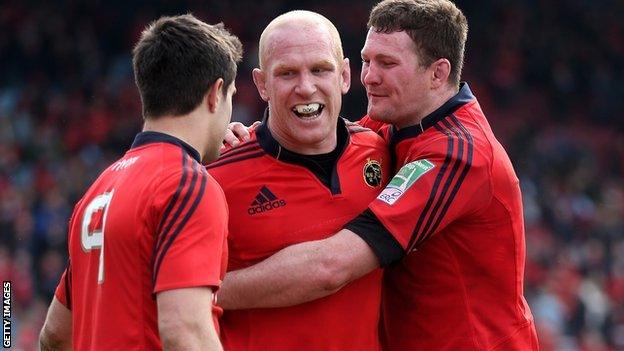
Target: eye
(322, 69)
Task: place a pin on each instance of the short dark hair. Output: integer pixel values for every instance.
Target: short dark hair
(437, 27)
(178, 59)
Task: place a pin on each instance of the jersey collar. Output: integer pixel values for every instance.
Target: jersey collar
(463, 96)
(273, 148)
(144, 138)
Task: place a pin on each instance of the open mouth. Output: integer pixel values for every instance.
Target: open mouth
(308, 111)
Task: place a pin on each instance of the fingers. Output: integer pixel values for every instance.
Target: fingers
(236, 133)
(230, 139)
(239, 131)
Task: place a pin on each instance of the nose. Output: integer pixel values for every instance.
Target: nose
(370, 76)
(306, 85)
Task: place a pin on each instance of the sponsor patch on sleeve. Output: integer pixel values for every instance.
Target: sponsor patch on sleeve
(404, 179)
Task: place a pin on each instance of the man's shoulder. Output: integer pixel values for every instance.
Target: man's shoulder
(363, 136)
(237, 156)
(239, 163)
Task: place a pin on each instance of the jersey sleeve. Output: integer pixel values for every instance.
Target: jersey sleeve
(63, 289)
(191, 235)
(368, 227)
(435, 187)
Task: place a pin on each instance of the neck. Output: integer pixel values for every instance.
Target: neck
(324, 146)
(437, 99)
(185, 128)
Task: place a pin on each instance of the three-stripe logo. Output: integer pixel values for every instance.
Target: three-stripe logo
(264, 201)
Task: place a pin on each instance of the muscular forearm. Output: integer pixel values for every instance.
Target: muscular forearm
(298, 273)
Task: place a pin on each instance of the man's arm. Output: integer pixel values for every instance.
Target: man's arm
(185, 320)
(56, 333)
(299, 273)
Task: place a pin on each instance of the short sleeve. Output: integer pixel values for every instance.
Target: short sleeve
(191, 235)
(368, 227)
(63, 292)
(430, 191)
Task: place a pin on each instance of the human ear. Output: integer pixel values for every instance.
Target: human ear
(214, 95)
(346, 76)
(259, 78)
(441, 70)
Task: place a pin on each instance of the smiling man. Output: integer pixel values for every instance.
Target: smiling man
(304, 174)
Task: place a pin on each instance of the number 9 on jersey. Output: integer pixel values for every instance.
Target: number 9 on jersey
(93, 225)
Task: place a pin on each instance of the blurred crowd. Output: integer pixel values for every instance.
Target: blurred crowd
(549, 75)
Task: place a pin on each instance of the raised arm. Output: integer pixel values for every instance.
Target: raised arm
(185, 320)
(299, 273)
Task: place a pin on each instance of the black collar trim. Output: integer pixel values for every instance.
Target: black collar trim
(463, 96)
(273, 148)
(144, 138)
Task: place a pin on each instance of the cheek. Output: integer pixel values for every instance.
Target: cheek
(279, 93)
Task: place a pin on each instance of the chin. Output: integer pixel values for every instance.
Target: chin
(381, 116)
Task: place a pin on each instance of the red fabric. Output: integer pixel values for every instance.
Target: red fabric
(148, 184)
(460, 285)
(303, 209)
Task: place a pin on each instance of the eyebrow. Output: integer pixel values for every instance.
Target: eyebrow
(321, 63)
(324, 63)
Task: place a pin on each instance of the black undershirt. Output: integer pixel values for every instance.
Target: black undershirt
(322, 165)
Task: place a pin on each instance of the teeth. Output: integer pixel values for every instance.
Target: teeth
(307, 109)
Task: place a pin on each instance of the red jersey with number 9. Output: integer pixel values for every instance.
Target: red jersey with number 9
(153, 221)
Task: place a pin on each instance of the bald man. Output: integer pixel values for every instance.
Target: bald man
(304, 173)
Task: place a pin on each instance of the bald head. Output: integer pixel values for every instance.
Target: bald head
(298, 20)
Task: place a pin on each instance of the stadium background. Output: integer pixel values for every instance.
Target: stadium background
(549, 75)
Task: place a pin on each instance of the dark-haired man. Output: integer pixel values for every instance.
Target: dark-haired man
(449, 225)
(147, 240)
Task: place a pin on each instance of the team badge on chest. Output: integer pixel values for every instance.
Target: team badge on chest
(372, 173)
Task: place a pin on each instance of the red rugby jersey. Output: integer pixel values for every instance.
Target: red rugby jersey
(455, 208)
(153, 221)
(275, 200)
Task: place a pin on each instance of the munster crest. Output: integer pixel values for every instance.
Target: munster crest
(372, 173)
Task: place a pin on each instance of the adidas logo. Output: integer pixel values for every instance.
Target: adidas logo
(265, 201)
